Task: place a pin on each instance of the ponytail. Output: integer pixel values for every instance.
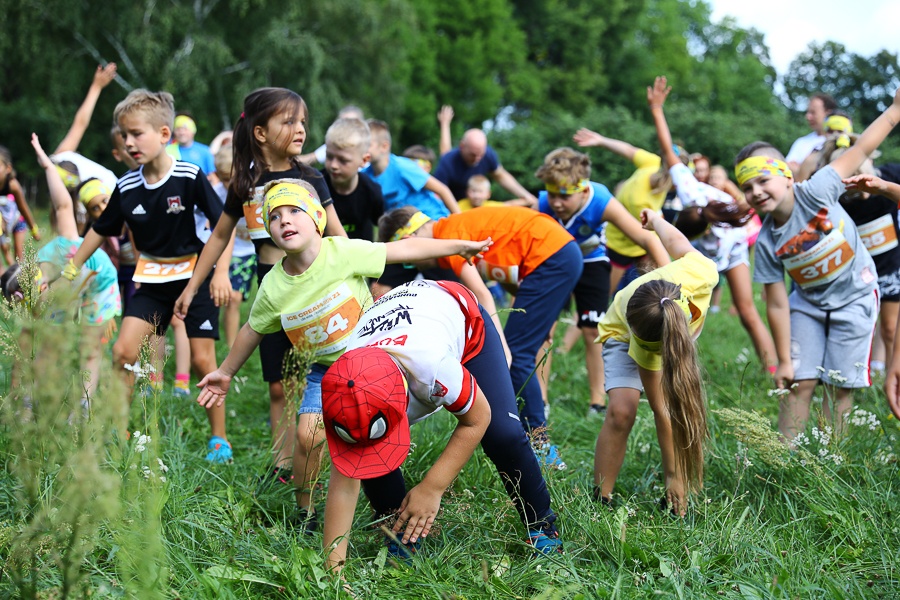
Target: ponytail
(654, 313)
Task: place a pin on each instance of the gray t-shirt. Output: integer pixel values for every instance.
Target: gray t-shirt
(818, 246)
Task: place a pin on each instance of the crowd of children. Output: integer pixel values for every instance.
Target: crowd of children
(181, 235)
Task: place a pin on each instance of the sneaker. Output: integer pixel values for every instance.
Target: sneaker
(219, 450)
(595, 410)
(305, 521)
(548, 455)
(604, 501)
(545, 541)
(181, 392)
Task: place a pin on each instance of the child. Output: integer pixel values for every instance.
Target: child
(478, 193)
(423, 155)
(583, 208)
(443, 351)
(824, 330)
(315, 295)
(14, 212)
(646, 188)
(357, 199)
(648, 338)
(533, 256)
(725, 241)
(268, 141)
(157, 202)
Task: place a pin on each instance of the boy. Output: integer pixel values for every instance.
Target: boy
(315, 294)
(357, 199)
(157, 203)
(478, 193)
(824, 330)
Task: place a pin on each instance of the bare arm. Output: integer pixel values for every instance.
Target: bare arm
(92, 241)
(778, 311)
(848, 162)
(18, 193)
(445, 118)
(674, 242)
(619, 216)
(656, 98)
(873, 185)
(340, 505)
(102, 78)
(511, 185)
(421, 504)
(218, 242)
(444, 193)
(414, 249)
(59, 196)
(587, 138)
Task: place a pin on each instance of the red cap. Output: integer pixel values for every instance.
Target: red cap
(364, 399)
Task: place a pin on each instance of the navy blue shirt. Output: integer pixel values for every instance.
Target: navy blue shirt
(453, 171)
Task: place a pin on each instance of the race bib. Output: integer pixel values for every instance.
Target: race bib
(499, 273)
(822, 263)
(879, 235)
(253, 215)
(150, 269)
(325, 326)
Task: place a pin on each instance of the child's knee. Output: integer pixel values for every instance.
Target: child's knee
(621, 415)
(123, 354)
(308, 433)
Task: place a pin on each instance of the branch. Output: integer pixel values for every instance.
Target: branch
(95, 54)
(126, 60)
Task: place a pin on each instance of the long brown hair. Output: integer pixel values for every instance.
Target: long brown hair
(653, 315)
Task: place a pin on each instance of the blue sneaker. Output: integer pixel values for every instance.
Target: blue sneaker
(219, 450)
(545, 541)
(180, 392)
(402, 552)
(548, 455)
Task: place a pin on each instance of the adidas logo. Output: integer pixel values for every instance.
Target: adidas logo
(139, 210)
(207, 326)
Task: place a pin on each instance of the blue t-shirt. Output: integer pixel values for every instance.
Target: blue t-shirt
(198, 154)
(587, 225)
(453, 171)
(403, 183)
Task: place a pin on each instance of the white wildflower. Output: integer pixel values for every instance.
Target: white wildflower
(140, 371)
(820, 369)
(147, 472)
(837, 458)
(800, 440)
(743, 357)
(162, 466)
(835, 376)
(778, 392)
(823, 452)
(858, 365)
(645, 447)
(631, 511)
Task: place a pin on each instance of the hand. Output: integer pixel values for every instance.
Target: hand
(648, 216)
(36, 233)
(184, 301)
(445, 115)
(656, 95)
(784, 376)
(215, 386)
(220, 288)
(675, 495)
(111, 328)
(418, 511)
(42, 158)
(866, 183)
(472, 249)
(585, 137)
(103, 76)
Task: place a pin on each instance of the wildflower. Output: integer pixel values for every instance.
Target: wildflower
(778, 392)
(140, 441)
(837, 459)
(820, 369)
(863, 418)
(743, 357)
(162, 466)
(140, 371)
(645, 447)
(835, 376)
(800, 440)
(631, 511)
(858, 365)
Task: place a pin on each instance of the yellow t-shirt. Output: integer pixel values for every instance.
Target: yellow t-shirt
(319, 308)
(635, 194)
(697, 276)
(466, 204)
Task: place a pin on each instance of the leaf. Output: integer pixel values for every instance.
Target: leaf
(233, 574)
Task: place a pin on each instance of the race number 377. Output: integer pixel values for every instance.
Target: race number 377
(822, 263)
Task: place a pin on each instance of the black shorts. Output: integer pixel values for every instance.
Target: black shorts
(155, 304)
(274, 346)
(620, 260)
(592, 293)
(398, 274)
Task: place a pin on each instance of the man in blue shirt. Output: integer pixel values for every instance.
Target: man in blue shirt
(189, 150)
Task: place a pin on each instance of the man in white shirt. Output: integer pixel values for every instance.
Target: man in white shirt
(818, 109)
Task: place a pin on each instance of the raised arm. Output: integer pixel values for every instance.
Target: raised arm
(675, 243)
(445, 117)
(103, 76)
(587, 139)
(848, 162)
(656, 98)
(59, 196)
(619, 216)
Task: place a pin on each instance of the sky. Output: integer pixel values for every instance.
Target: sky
(873, 26)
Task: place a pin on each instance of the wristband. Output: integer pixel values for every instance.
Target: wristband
(70, 272)
(35, 231)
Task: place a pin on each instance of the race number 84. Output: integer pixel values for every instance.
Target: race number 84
(318, 334)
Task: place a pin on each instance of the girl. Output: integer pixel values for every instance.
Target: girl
(14, 212)
(648, 343)
(268, 141)
(722, 242)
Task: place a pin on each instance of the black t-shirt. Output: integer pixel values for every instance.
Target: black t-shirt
(161, 215)
(234, 206)
(360, 209)
(874, 218)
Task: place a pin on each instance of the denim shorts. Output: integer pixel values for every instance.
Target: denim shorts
(312, 395)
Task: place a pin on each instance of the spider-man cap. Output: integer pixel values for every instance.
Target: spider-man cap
(364, 398)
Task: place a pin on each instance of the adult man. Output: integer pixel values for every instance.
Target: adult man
(475, 157)
(189, 150)
(819, 107)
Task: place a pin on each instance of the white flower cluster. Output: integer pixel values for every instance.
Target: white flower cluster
(644, 448)
(744, 357)
(140, 371)
(835, 376)
(140, 441)
(822, 437)
(863, 418)
(885, 457)
(778, 392)
(741, 456)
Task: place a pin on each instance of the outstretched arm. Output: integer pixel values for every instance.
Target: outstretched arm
(414, 249)
(675, 243)
(619, 216)
(656, 98)
(443, 192)
(873, 185)
(445, 117)
(59, 196)
(216, 384)
(848, 162)
(102, 78)
(512, 185)
(587, 138)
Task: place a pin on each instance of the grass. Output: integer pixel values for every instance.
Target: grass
(768, 523)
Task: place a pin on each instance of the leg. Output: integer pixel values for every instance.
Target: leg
(282, 423)
(593, 357)
(544, 361)
(838, 404)
(387, 492)
(889, 312)
(233, 317)
(92, 337)
(203, 361)
(609, 453)
(794, 409)
(742, 297)
(183, 348)
(570, 339)
(308, 457)
(19, 241)
(125, 350)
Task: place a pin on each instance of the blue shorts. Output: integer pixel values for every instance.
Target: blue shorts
(312, 395)
(241, 272)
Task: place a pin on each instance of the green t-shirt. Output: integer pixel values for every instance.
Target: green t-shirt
(319, 308)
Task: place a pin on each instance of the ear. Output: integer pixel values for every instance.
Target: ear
(116, 155)
(165, 132)
(366, 157)
(260, 134)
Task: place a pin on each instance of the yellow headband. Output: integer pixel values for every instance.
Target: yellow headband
(567, 189)
(185, 121)
(757, 166)
(415, 222)
(424, 163)
(292, 194)
(839, 124)
(91, 189)
(70, 180)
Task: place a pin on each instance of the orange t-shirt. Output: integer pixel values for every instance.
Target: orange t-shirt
(523, 239)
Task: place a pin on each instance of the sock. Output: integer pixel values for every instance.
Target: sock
(156, 381)
(182, 381)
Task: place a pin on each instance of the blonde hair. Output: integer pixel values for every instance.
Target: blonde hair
(158, 108)
(223, 161)
(653, 316)
(564, 165)
(349, 133)
(661, 181)
(379, 130)
(478, 181)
